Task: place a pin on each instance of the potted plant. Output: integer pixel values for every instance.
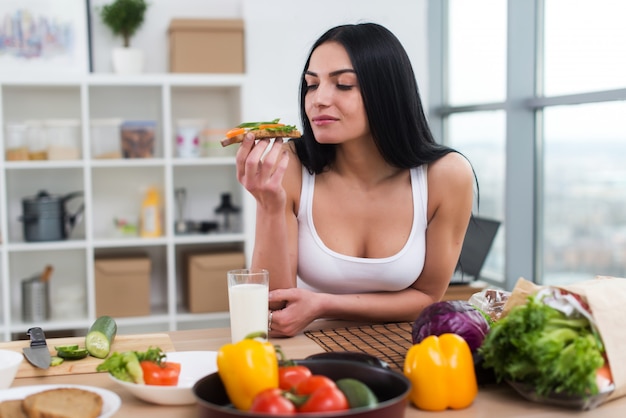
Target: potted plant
(124, 18)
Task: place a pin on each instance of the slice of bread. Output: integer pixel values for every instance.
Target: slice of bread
(12, 409)
(63, 403)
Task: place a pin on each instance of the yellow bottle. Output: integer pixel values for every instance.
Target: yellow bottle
(151, 218)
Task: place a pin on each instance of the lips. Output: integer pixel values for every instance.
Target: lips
(323, 120)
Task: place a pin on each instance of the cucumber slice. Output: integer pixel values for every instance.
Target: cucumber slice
(56, 360)
(100, 336)
(69, 347)
(73, 354)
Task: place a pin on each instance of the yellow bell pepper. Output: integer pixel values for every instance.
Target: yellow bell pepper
(441, 371)
(247, 368)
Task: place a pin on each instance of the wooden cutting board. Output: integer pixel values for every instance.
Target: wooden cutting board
(138, 342)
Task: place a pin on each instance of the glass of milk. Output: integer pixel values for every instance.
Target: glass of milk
(248, 293)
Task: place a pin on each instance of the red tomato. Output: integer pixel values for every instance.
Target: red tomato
(165, 374)
(325, 399)
(271, 401)
(313, 383)
(290, 376)
(604, 378)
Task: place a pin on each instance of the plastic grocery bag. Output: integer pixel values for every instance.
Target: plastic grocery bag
(606, 298)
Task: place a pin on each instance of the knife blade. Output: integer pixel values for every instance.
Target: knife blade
(37, 354)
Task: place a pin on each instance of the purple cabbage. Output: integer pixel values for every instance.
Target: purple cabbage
(454, 316)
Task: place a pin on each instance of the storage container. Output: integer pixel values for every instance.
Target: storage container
(188, 137)
(206, 46)
(105, 138)
(137, 138)
(122, 286)
(15, 145)
(36, 140)
(206, 287)
(35, 300)
(63, 138)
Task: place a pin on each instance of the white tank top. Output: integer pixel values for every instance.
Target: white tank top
(323, 270)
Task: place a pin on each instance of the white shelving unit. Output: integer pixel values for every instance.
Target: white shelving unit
(114, 187)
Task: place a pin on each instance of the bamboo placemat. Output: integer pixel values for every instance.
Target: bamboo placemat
(389, 342)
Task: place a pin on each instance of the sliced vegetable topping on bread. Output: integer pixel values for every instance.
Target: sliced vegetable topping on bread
(261, 130)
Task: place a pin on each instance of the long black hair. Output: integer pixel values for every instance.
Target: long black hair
(390, 96)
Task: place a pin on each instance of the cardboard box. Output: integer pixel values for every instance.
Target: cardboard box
(122, 286)
(206, 284)
(206, 46)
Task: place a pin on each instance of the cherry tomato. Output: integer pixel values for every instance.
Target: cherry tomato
(165, 374)
(271, 401)
(313, 383)
(325, 399)
(290, 376)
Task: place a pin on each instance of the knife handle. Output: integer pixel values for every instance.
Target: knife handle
(37, 337)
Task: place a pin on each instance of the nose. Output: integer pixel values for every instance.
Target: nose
(322, 95)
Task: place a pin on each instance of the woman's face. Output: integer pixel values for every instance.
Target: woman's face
(333, 101)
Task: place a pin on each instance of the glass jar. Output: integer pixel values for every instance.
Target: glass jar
(105, 138)
(63, 139)
(16, 148)
(36, 140)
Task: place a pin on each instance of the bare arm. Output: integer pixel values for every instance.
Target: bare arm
(262, 173)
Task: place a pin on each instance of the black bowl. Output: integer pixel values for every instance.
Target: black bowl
(390, 387)
(351, 356)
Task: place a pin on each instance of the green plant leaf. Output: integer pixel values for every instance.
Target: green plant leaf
(124, 17)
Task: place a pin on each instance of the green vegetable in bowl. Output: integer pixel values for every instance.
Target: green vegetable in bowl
(541, 346)
(126, 366)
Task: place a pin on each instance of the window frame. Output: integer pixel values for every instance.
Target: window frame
(523, 105)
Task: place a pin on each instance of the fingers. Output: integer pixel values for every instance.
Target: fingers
(260, 162)
(279, 295)
(280, 325)
(242, 154)
(274, 164)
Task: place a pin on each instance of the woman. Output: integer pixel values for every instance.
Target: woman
(363, 218)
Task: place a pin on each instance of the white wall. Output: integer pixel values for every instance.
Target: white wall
(279, 34)
(278, 42)
(152, 36)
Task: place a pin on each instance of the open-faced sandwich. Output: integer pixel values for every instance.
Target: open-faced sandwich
(261, 130)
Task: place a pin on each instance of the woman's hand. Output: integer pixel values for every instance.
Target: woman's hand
(261, 171)
(300, 309)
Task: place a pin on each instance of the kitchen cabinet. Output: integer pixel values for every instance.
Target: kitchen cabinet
(113, 188)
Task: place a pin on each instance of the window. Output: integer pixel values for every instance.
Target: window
(585, 46)
(533, 92)
(477, 51)
(480, 137)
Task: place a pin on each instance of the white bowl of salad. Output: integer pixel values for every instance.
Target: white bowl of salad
(162, 383)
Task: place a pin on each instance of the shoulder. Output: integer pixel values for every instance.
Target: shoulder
(450, 182)
(451, 170)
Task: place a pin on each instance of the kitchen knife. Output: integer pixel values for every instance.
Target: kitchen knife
(37, 354)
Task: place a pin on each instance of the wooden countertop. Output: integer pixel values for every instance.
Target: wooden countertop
(497, 401)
